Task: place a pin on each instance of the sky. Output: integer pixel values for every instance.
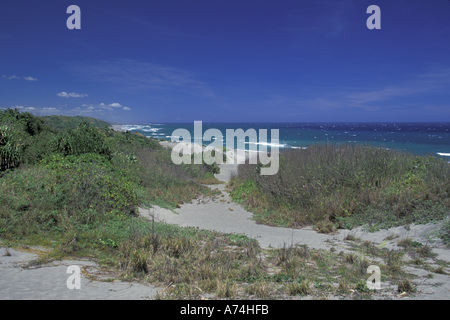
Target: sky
(148, 61)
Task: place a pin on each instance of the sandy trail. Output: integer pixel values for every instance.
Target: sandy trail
(221, 214)
(19, 280)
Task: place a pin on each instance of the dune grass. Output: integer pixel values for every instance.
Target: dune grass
(334, 186)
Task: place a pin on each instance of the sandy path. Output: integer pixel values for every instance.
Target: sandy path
(18, 281)
(220, 213)
(223, 215)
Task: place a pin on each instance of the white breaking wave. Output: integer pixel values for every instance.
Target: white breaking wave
(268, 144)
(443, 154)
(145, 128)
(151, 130)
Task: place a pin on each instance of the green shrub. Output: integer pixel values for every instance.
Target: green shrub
(90, 181)
(39, 147)
(84, 139)
(10, 149)
(24, 138)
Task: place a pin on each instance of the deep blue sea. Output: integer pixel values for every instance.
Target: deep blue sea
(417, 138)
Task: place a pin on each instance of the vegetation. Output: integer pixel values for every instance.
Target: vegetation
(82, 178)
(17, 138)
(66, 122)
(344, 186)
(76, 189)
(10, 155)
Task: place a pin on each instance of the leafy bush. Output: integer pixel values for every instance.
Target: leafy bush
(25, 121)
(24, 138)
(90, 181)
(84, 139)
(10, 151)
(38, 147)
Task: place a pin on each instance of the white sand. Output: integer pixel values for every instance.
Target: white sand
(117, 127)
(49, 282)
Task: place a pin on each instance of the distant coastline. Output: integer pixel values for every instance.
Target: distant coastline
(417, 138)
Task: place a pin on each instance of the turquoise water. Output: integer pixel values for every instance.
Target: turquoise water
(416, 138)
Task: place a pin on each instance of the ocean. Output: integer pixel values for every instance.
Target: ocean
(417, 138)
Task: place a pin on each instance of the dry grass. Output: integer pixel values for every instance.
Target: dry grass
(333, 186)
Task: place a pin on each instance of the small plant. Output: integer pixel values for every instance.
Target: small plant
(425, 251)
(226, 289)
(301, 288)
(261, 289)
(362, 287)
(405, 285)
(109, 243)
(325, 226)
(7, 253)
(440, 270)
(350, 237)
(343, 286)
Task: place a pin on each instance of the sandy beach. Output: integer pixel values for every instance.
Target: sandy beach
(117, 127)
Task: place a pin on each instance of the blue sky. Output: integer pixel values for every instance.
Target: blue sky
(227, 60)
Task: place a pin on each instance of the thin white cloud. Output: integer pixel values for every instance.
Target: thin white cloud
(13, 77)
(426, 83)
(45, 111)
(28, 108)
(22, 108)
(104, 107)
(64, 94)
(400, 96)
(130, 75)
